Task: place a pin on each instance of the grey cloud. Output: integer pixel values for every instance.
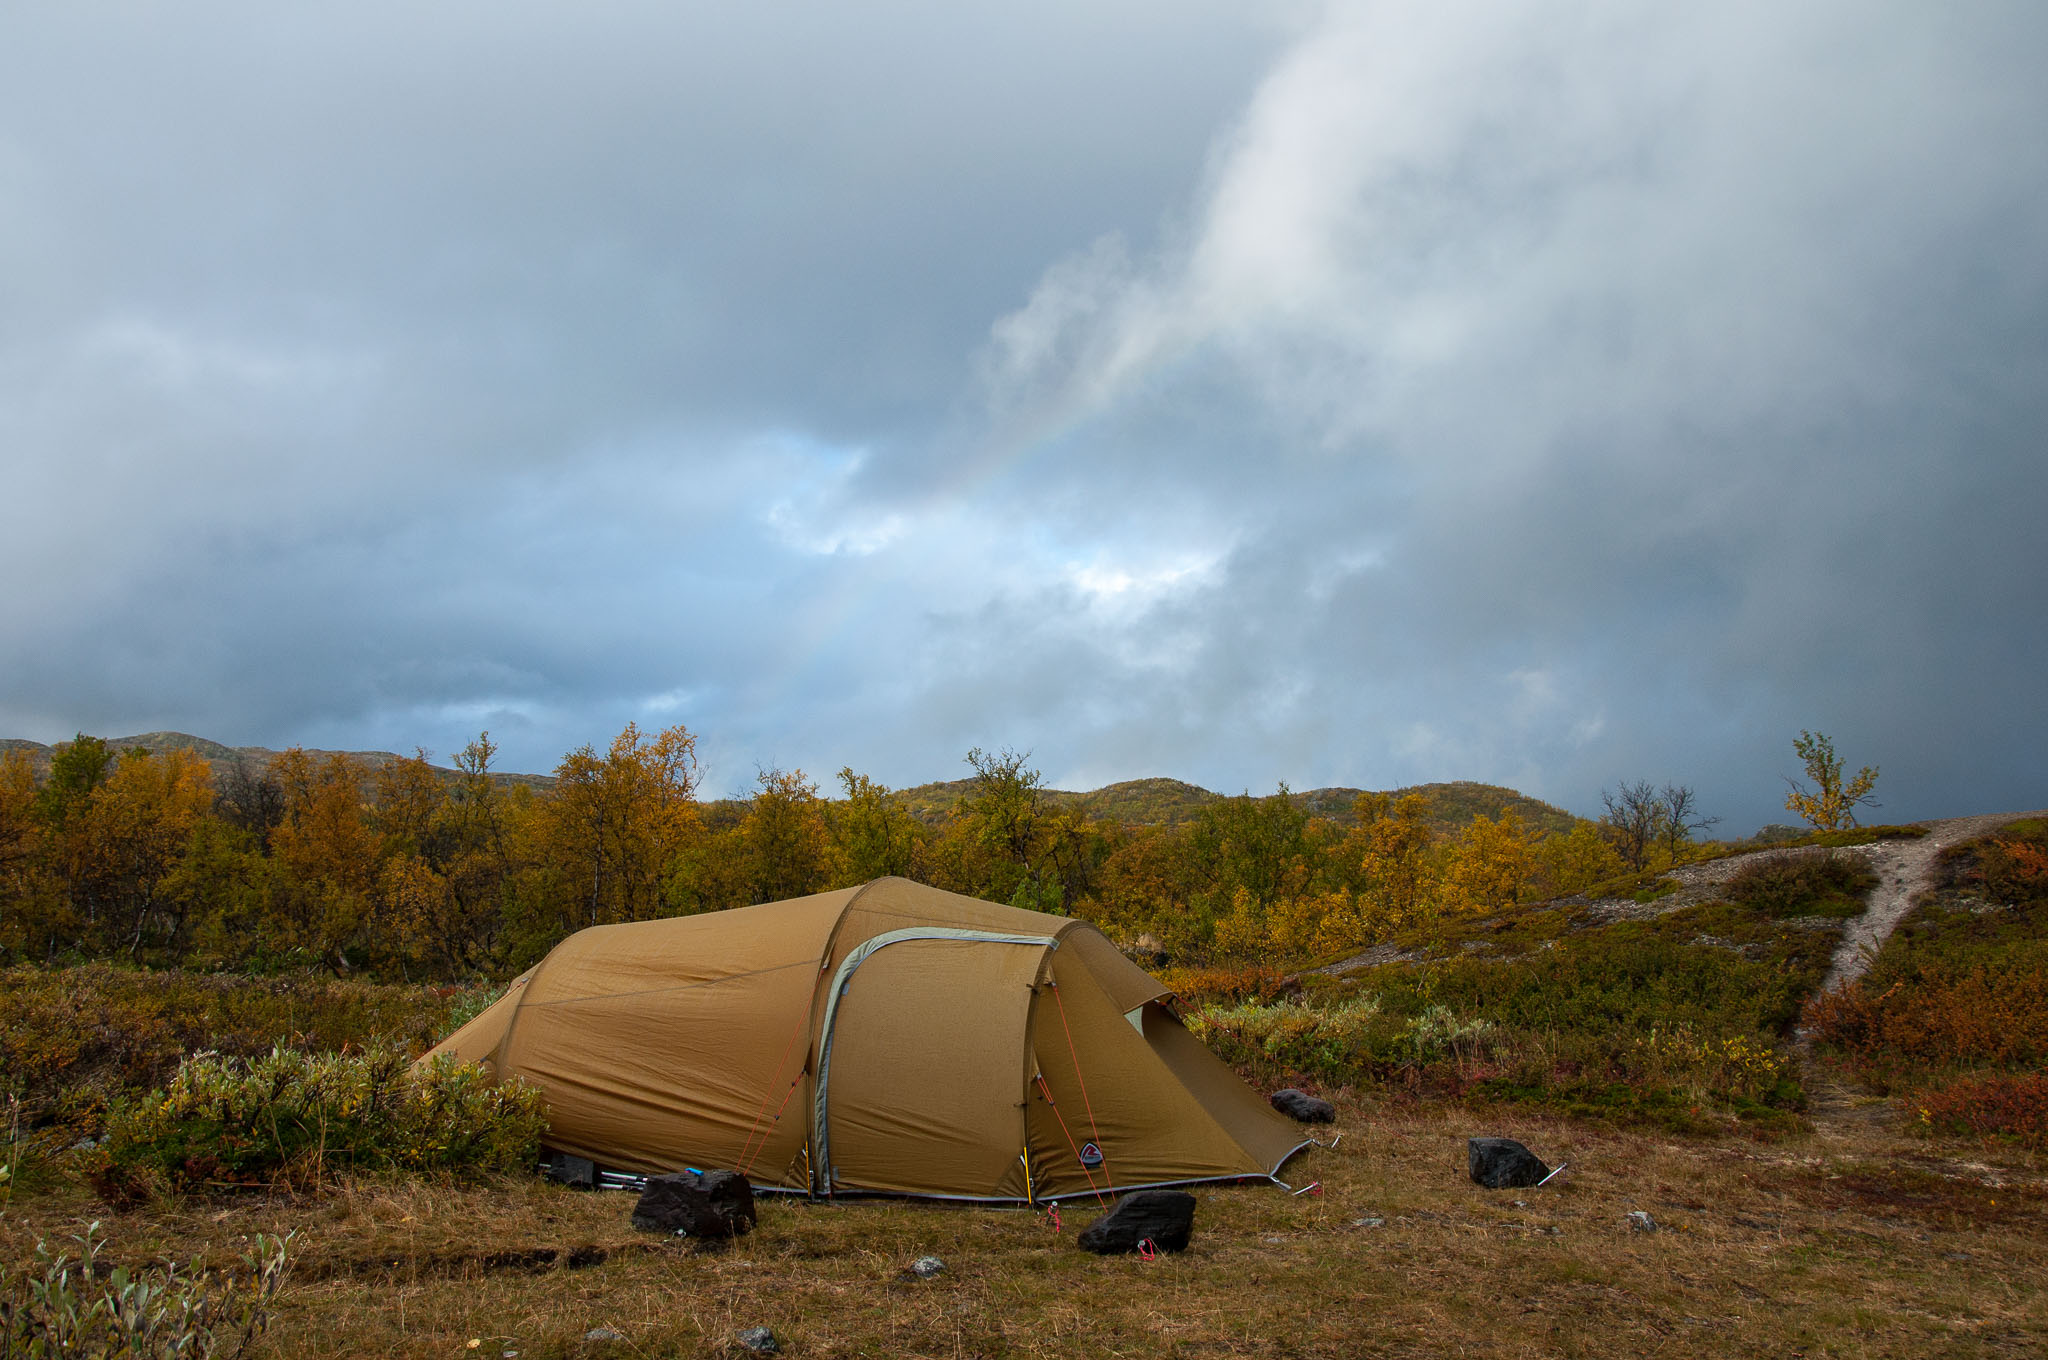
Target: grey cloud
(1674, 337)
(1544, 394)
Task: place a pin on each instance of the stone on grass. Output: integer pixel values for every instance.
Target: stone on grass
(1499, 1163)
(1166, 1218)
(1304, 1107)
(1640, 1221)
(924, 1267)
(598, 1334)
(759, 1340)
(710, 1204)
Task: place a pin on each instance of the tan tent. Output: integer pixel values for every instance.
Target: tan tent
(891, 1038)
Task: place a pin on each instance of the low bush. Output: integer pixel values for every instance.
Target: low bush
(2011, 1108)
(66, 1306)
(1864, 835)
(1940, 1014)
(1344, 1041)
(2015, 866)
(1727, 1065)
(1782, 886)
(297, 1119)
(73, 1040)
(1632, 977)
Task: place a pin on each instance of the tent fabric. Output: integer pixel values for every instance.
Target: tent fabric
(887, 1039)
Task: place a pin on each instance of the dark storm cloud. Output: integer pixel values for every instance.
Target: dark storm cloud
(1694, 353)
(1541, 394)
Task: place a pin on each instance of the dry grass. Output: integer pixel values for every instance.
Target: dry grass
(1860, 1241)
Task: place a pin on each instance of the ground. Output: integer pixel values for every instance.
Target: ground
(1858, 1241)
(1858, 1237)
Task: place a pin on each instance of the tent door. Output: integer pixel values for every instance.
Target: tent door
(923, 1064)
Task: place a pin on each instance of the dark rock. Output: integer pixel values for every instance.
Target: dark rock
(1498, 1163)
(1164, 1217)
(759, 1340)
(1303, 1106)
(696, 1203)
(564, 1169)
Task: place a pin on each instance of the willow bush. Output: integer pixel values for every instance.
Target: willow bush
(300, 1118)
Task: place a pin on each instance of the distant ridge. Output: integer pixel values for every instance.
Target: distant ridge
(256, 757)
(1171, 802)
(1156, 801)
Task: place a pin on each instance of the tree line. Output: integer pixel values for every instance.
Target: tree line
(413, 871)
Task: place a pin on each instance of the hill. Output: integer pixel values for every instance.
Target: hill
(1172, 802)
(1156, 801)
(254, 757)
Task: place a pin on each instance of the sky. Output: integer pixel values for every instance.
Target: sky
(1549, 395)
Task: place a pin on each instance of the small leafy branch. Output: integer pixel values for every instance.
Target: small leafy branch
(66, 1306)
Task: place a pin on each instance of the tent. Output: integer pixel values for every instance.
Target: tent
(890, 1038)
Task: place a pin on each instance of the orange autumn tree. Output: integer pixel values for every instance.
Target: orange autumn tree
(326, 854)
(615, 827)
(446, 859)
(131, 834)
(784, 843)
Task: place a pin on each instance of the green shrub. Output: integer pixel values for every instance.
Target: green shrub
(1864, 835)
(1631, 977)
(297, 1118)
(1327, 1042)
(1804, 885)
(62, 1306)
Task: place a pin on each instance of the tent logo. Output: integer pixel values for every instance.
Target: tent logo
(1091, 1156)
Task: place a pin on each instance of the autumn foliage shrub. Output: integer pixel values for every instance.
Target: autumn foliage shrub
(1941, 1014)
(1214, 985)
(299, 1118)
(2015, 869)
(2010, 1107)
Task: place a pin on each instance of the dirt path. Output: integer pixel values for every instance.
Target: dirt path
(1904, 869)
(1842, 1110)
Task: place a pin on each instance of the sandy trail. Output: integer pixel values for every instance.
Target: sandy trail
(1904, 869)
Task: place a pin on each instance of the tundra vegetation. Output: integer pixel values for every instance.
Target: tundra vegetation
(216, 973)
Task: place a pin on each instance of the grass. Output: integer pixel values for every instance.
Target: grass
(1860, 1247)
